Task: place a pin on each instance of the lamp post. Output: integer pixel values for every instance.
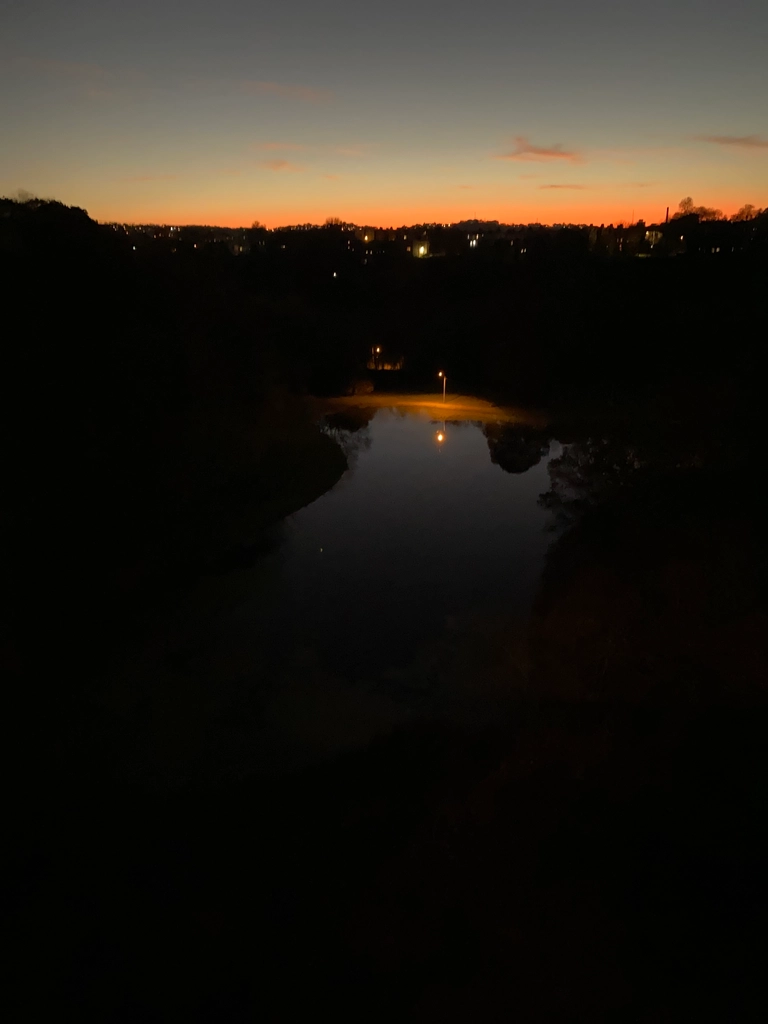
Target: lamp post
(441, 374)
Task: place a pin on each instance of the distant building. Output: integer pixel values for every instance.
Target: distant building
(420, 248)
(382, 360)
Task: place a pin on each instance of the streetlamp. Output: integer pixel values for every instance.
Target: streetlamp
(441, 374)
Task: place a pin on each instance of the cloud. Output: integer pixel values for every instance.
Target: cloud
(292, 92)
(280, 165)
(739, 141)
(525, 151)
(151, 177)
(577, 187)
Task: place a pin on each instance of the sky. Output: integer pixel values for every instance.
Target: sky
(291, 111)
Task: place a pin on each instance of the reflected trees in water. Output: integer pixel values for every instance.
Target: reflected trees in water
(513, 449)
(350, 429)
(654, 591)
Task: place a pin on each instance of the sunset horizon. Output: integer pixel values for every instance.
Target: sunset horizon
(647, 213)
(225, 115)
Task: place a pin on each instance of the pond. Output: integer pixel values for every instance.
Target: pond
(435, 530)
(424, 529)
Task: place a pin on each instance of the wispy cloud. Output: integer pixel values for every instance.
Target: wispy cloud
(525, 151)
(280, 165)
(151, 177)
(293, 92)
(738, 141)
(578, 188)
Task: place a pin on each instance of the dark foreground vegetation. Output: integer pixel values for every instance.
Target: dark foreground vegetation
(598, 853)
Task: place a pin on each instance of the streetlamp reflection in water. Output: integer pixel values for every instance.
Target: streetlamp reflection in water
(441, 434)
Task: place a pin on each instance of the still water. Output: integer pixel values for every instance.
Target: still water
(418, 533)
(350, 624)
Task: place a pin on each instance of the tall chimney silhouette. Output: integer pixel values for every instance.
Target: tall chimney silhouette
(667, 220)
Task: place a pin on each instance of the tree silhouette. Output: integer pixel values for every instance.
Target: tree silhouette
(747, 212)
(687, 208)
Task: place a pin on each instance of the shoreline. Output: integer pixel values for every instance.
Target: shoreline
(455, 407)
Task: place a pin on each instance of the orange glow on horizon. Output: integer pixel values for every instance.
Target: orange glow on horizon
(652, 211)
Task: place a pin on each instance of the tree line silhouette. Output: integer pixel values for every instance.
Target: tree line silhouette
(143, 385)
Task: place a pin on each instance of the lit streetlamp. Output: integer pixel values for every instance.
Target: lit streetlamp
(441, 374)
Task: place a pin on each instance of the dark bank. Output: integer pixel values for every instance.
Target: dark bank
(324, 690)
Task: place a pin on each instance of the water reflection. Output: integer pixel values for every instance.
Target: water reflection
(515, 449)
(410, 541)
(331, 638)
